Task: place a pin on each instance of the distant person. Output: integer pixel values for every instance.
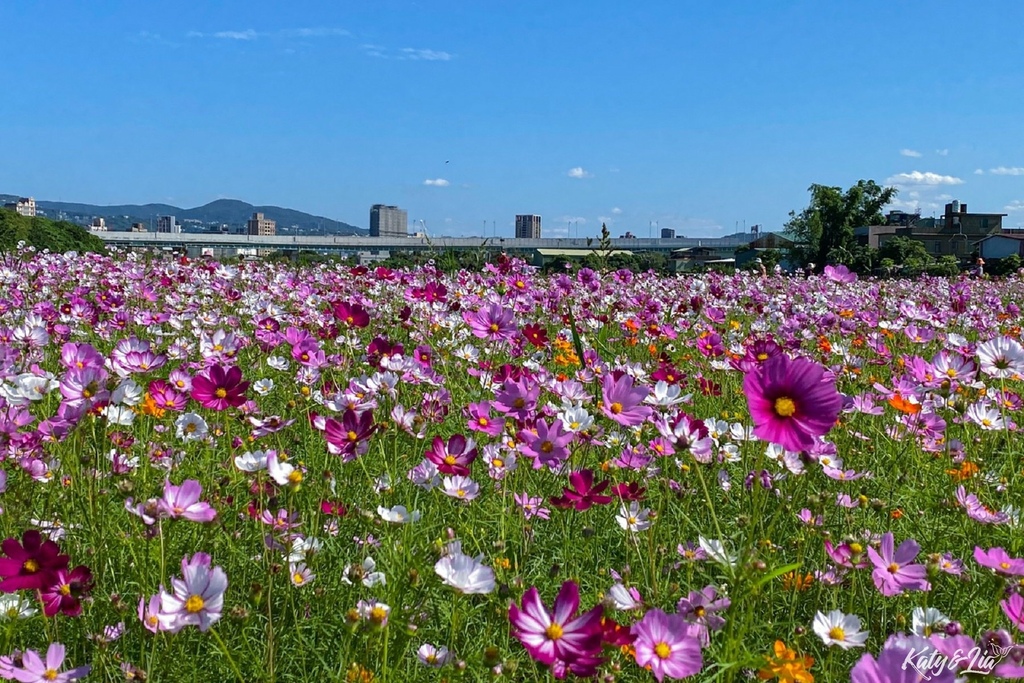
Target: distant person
(979, 267)
(760, 265)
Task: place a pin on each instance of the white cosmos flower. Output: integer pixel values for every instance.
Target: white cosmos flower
(465, 574)
(190, 427)
(127, 393)
(366, 574)
(718, 551)
(836, 628)
(927, 620)
(623, 598)
(633, 518)
(576, 419)
(432, 656)
(119, 415)
(303, 548)
(14, 606)
(278, 363)
(398, 514)
(253, 461)
(665, 394)
(283, 473)
(263, 386)
(462, 488)
(985, 416)
(1001, 357)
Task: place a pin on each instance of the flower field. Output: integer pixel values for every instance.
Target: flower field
(264, 472)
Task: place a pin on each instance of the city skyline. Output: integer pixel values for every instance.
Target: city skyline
(700, 119)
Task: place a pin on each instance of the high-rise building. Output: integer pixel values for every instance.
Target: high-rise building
(167, 224)
(527, 226)
(99, 224)
(388, 221)
(668, 233)
(26, 206)
(139, 227)
(258, 225)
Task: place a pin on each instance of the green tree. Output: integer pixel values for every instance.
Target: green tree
(823, 232)
(903, 250)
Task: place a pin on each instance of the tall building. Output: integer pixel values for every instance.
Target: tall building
(258, 225)
(167, 224)
(527, 226)
(26, 206)
(388, 221)
(99, 224)
(668, 233)
(139, 227)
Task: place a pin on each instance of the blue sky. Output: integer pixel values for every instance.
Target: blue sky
(700, 116)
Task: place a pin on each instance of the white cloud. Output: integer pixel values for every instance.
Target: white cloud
(427, 55)
(942, 152)
(979, 171)
(919, 178)
(616, 210)
(436, 182)
(578, 172)
(247, 34)
(1014, 206)
(910, 153)
(1004, 170)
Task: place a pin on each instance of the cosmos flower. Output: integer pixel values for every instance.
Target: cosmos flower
(196, 599)
(183, 502)
(842, 630)
(220, 389)
(895, 570)
(464, 573)
(667, 644)
(35, 669)
(790, 402)
(622, 402)
(558, 634)
(28, 565)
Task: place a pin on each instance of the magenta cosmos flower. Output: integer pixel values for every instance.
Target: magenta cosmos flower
(219, 389)
(667, 644)
(557, 635)
(622, 402)
(183, 501)
(491, 322)
(65, 591)
(455, 457)
(790, 402)
(895, 570)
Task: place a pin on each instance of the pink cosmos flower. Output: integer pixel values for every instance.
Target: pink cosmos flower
(904, 659)
(667, 644)
(622, 402)
(149, 613)
(491, 322)
(196, 599)
(583, 494)
(65, 591)
(219, 389)
(35, 670)
(998, 559)
(348, 438)
(548, 445)
(895, 570)
(791, 402)
(183, 501)
(559, 634)
(1013, 608)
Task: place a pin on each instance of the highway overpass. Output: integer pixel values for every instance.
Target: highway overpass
(195, 242)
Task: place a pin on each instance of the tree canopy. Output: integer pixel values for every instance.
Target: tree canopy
(823, 232)
(43, 233)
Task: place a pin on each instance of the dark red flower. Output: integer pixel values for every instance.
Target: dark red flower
(351, 314)
(583, 494)
(29, 564)
(333, 509)
(536, 335)
(630, 491)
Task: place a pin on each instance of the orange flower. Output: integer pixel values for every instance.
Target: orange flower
(787, 666)
(903, 405)
(967, 470)
(825, 345)
(149, 407)
(793, 581)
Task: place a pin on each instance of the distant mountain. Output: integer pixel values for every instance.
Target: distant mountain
(221, 211)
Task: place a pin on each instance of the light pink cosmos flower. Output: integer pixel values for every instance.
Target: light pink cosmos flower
(491, 322)
(667, 644)
(197, 599)
(623, 402)
(998, 559)
(183, 501)
(35, 670)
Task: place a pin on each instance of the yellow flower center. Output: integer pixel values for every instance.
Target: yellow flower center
(295, 477)
(1004, 565)
(449, 460)
(352, 436)
(547, 447)
(378, 614)
(762, 356)
(194, 604)
(298, 579)
(221, 392)
(784, 406)
(699, 611)
(893, 568)
(50, 675)
(837, 633)
(615, 408)
(30, 566)
(554, 631)
(65, 589)
(663, 650)
(494, 327)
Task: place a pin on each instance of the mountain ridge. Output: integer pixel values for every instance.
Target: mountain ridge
(229, 211)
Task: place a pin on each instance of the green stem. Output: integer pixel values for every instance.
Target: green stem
(227, 653)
